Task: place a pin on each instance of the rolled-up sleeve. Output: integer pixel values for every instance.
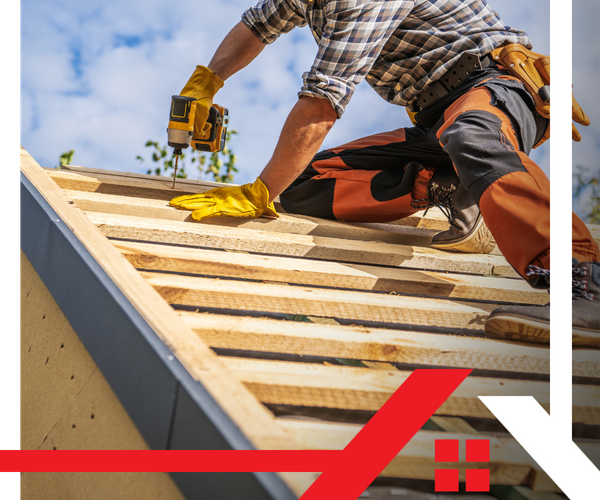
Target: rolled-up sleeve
(271, 18)
(355, 33)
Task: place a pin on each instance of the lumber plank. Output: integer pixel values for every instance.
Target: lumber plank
(361, 252)
(399, 346)
(295, 224)
(433, 219)
(158, 187)
(248, 296)
(132, 206)
(430, 219)
(539, 479)
(330, 274)
(115, 194)
(453, 424)
(166, 181)
(349, 388)
(242, 407)
(402, 234)
(509, 464)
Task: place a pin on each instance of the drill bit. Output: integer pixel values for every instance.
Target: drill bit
(175, 171)
(176, 152)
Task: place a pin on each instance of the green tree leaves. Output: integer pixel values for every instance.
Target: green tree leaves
(584, 180)
(65, 158)
(220, 165)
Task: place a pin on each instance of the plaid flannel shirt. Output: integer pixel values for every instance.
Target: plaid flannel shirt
(399, 46)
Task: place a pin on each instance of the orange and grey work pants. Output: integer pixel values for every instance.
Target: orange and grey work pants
(485, 134)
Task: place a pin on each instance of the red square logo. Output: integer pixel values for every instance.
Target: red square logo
(478, 450)
(446, 480)
(476, 480)
(446, 450)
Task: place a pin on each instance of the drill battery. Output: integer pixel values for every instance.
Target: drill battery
(215, 138)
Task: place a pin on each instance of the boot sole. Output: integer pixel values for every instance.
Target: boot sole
(479, 240)
(523, 329)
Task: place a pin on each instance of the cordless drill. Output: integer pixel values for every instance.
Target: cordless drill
(180, 133)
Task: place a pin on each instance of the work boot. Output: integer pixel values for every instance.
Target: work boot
(532, 323)
(468, 232)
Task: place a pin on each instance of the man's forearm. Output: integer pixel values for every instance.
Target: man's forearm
(303, 133)
(237, 50)
(305, 128)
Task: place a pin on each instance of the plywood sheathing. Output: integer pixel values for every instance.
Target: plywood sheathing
(66, 403)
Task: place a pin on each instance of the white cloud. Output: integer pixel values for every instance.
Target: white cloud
(98, 76)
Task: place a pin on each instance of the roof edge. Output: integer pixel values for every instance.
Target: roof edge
(138, 365)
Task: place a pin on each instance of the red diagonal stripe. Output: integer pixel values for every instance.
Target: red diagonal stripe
(386, 434)
(346, 475)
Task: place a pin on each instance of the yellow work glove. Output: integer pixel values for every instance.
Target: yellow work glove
(203, 85)
(249, 200)
(580, 117)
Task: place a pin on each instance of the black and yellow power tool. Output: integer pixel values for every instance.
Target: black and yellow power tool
(180, 134)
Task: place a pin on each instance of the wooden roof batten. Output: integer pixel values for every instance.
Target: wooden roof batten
(255, 423)
(368, 304)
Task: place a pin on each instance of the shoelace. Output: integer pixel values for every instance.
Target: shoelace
(441, 197)
(579, 286)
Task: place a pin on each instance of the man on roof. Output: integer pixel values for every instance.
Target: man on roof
(474, 126)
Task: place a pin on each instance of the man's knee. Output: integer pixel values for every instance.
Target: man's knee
(308, 196)
(480, 150)
(476, 134)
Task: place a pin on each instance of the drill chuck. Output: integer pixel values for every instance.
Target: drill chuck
(181, 121)
(178, 139)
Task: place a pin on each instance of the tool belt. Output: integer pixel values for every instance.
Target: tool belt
(454, 77)
(529, 67)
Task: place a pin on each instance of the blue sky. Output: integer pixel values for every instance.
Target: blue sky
(98, 76)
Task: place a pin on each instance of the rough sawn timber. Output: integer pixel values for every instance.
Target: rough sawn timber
(295, 245)
(253, 419)
(227, 294)
(398, 346)
(330, 274)
(317, 258)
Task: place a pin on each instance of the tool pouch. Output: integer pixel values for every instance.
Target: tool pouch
(533, 70)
